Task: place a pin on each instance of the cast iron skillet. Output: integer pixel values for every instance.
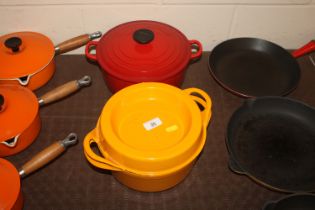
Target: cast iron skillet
(251, 67)
(272, 140)
(293, 202)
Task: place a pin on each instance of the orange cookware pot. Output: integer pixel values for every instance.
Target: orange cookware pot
(27, 58)
(11, 197)
(19, 113)
(150, 135)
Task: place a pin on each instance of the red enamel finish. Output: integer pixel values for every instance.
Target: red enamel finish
(114, 84)
(125, 61)
(309, 47)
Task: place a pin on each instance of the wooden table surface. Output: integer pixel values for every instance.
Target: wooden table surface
(71, 183)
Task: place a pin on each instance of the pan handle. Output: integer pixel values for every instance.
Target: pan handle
(64, 90)
(196, 49)
(309, 47)
(94, 159)
(87, 50)
(76, 42)
(203, 99)
(47, 155)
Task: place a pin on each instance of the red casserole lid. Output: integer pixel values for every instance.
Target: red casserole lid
(142, 50)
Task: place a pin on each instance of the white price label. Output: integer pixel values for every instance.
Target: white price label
(155, 122)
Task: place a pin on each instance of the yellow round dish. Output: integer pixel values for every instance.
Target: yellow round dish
(150, 134)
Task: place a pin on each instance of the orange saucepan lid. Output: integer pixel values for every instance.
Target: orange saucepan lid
(18, 109)
(24, 53)
(10, 184)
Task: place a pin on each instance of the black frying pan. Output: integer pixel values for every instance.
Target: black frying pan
(251, 67)
(272, 140)
(293, 202)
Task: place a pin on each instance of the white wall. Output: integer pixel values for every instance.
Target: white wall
(290, 23)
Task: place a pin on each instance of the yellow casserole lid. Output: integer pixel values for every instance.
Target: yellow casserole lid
(151, 127)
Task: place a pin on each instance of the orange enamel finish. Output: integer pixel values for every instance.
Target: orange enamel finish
(149, 184)
(36, 80)
(10, 194)
(25, 139)
(20, 118)
(35, 59)
(19, 202)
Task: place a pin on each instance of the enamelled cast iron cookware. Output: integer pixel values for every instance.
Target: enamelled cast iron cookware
(11, 197)
(299, 201)
(251, 67)
(272, 140)
(150, 135)
(19, 113)
(27, 58)
(143, 51)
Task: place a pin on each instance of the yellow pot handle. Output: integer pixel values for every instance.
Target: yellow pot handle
(94, 159)
(204, 100)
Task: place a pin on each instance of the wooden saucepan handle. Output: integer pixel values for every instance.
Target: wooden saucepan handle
(64, 90)
(75, 42)
(47, 155)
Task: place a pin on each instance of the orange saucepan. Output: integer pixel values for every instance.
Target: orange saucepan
(27, 58)
(11, 197)
(19, 113)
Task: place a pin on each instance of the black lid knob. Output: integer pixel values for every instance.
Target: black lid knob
(143, 36)
(13, 43)
(1, 102)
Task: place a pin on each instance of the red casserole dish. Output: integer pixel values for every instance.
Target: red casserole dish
(143, 51)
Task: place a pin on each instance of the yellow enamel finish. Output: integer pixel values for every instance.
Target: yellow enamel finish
(150, 131)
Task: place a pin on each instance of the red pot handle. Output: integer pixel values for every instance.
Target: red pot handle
(195, 45)
(309, 47)
(87, 50)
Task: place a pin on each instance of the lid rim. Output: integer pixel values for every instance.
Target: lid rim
(186, 148)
